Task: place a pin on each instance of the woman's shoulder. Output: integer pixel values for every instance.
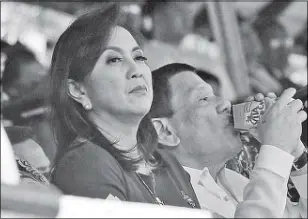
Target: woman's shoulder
(86, 147)
(167, 156)
(86, 156)
(181, 177)
(170, 162)
(89, 170)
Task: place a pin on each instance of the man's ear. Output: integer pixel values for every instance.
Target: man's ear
(166, 135)
(78, 92)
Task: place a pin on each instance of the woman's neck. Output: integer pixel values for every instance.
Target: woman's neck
(115, 130)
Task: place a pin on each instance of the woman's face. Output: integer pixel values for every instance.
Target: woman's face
(121, 81)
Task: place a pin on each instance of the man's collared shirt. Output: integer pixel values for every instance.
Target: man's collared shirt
(271, 174)
(210, 194)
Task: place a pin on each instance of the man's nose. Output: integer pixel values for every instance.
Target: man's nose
(224, 106)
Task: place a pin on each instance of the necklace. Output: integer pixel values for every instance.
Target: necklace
(186, 198)
(156, 199)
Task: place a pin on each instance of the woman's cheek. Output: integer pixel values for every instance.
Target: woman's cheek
(147, 74)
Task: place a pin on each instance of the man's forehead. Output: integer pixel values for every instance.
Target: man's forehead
(182, 85)
(184, 81)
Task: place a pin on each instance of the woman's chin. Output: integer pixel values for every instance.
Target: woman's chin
(141, 109)
(140, 104)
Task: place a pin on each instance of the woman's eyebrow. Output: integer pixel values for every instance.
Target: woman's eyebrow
(118, 49)
(136, 48)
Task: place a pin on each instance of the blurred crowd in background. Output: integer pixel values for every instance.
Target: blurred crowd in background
(181, 32)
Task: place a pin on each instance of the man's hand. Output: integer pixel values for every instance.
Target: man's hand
(271, 98)
(260, 97)
(280, 126)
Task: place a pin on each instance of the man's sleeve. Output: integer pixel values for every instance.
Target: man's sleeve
(300, 209)
(296, 211)
(266, 193)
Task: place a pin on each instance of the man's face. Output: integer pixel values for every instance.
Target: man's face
(201, 119)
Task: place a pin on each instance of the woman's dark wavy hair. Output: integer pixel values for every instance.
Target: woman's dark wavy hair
(74, 57)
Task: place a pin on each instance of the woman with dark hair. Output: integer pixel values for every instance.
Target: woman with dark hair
(101, 94)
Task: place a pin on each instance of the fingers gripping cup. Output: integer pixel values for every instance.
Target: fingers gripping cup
(247, 115)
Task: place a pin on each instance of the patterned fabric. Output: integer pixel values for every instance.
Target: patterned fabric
(244, 162)
(28, 172)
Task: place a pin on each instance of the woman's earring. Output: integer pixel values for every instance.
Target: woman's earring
(87, 107)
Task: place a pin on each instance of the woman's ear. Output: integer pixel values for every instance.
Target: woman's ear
(78, 93)
(165, 133)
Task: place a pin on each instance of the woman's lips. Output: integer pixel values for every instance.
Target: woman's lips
(139, 89)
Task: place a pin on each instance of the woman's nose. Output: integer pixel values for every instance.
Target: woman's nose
(133, 70)
(136, 74)
(224, 106)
